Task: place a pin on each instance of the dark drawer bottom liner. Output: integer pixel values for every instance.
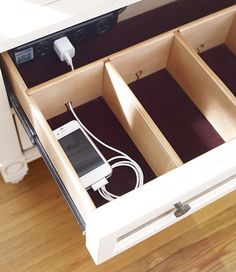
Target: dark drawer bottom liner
(223, 62)
(181, 122)
(99, 119)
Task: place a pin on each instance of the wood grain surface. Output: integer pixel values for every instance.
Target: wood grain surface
(39, 233)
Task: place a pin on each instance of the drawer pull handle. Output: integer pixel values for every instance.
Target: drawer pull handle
(181, 209)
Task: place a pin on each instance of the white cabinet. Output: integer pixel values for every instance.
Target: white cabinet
(180, 187)
(12, 163)
(24, 21)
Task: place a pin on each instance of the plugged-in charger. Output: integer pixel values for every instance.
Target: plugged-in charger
(65, 50)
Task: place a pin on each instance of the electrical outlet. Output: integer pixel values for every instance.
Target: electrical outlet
(77, 34)
(42, 48)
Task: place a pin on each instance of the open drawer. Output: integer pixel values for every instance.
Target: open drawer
(188, 101)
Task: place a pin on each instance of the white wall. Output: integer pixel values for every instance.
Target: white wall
(142, 6)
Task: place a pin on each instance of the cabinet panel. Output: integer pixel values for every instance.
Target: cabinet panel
(178, 187)
(57, 15)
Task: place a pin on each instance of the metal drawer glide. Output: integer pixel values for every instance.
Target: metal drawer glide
(35, 140)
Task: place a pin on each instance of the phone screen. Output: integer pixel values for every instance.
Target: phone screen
(80, 152)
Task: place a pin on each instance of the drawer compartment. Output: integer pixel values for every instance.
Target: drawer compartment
(100, 120)
(162, 104)
(223, 62)
(176, 115)
(215, 43)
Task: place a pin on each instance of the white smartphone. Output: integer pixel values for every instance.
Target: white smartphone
(87, 160)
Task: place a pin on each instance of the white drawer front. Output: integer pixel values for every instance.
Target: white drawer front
(137, 215)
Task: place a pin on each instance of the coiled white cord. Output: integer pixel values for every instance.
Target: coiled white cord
(123, 160)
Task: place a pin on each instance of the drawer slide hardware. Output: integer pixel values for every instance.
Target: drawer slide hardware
(19, 112)
(181, 209)
(35, 140)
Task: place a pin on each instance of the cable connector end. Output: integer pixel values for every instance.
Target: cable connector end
(97, 185)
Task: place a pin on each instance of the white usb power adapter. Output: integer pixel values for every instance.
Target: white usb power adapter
(65, 50)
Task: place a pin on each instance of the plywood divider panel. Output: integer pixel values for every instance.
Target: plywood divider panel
(144, 58)
(204, 88)
(148, 138)
(231, 40)
(51, 145)
(209, 31)
(79, 86)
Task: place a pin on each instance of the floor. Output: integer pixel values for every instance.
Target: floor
(39, 233)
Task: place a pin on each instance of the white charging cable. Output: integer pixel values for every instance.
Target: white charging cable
(117, 161)
(65, 50)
